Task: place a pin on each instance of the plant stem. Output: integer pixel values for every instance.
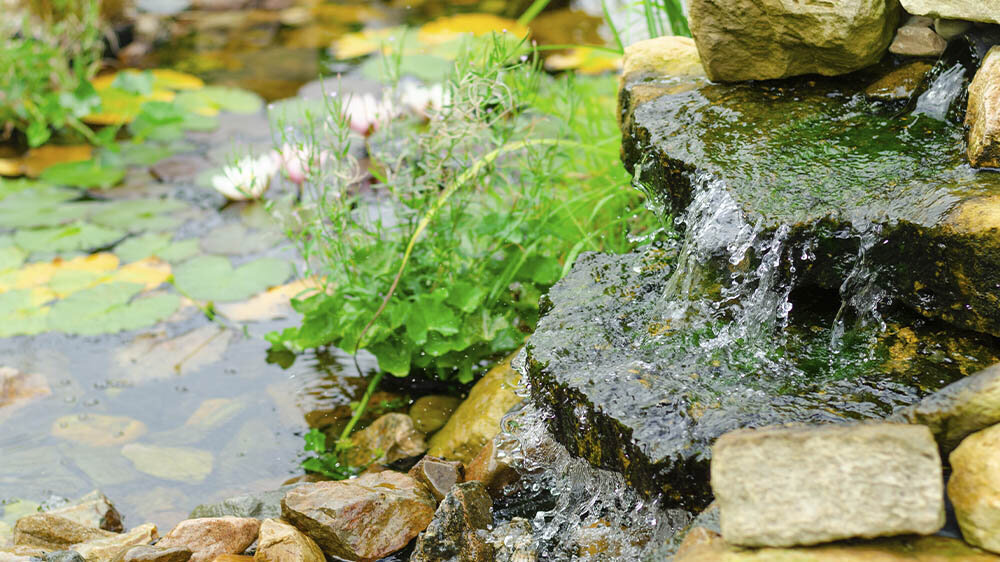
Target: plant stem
(345, 436)
(533, 10)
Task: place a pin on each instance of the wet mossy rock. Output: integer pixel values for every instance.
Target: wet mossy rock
(813, 154)
(753, 40)
(626, 392)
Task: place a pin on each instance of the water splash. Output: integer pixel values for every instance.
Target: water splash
(587, 514)
(939, 97)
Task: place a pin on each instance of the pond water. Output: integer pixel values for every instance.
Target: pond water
(191, 411)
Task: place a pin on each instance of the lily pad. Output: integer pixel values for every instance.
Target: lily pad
(212, 278)
(32, 193)
(78, 236)
(86, 173)
(158, 245)
(210, 100)
(21, 313)
(110, 308)
(427, 68)
(31, 216)
(234, 239)
(140, 215)
(11, 257)
(37, 160)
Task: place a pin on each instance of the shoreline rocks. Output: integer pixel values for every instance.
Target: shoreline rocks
(983, 114)
(974, 488)
(815, 484)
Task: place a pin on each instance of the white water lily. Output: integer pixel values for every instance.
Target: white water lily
(248, 178)
(419, 99)
(298, 161)
(365, 112)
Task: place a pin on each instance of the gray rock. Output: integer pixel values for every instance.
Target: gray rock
(64, 556)
(514, 541)
(974, 10)
(914, 41)
(259, 505)
(438, 475)
(982, 116)
(959, 409)
(365, 518)
(802, 485)
(458, 531)
(746, 40)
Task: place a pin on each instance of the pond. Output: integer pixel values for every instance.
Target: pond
(193, 410)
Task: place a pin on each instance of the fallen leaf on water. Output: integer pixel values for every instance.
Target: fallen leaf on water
(98, 430)
(17, 389)
(270, 305)
(154, 356)
(448, 28)
(41, 273)
(37, 160)
(585, 60)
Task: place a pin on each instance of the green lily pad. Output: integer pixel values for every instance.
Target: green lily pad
(294, 112)
(78, 236)
(110, 308)
(19, 216)
(35, 196)
(19, 316)
(144, 154)
(221, 98)
(11, 257)
(140, 214)
(427, 68)
(195, 122)
(212, 278)
(86, 173)
(158, 245)
(234, 239)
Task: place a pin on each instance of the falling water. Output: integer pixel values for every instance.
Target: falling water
(939, 97)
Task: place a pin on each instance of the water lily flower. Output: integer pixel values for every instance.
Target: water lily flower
(364, 112)
(296, 161)
(420, 98)
(248, 178)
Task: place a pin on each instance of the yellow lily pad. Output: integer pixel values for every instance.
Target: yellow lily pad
(448, 28)
(37, 160)
(366, 42)
(119, 107)
(585, 60)
(61, 278)
(10, 167)
(270, 305)
(40, 274)
(163, 79)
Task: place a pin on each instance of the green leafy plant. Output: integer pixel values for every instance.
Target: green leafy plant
(44, 77)
(665, 17)
(436, 263)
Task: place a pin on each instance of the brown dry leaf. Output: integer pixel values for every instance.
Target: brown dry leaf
(154, 356)
(269, 305)
(98, 430)
(38, 159)
(17, 389)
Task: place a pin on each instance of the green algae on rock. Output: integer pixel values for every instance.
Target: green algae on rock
(634, 387)
(813, 155)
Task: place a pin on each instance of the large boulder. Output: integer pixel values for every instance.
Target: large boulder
(959, 409)
(209, 537)
(974, 488)
(703, 545)
(477, 419)
(752, 40)
(982, 116)
(804, 485)
(974, 10)
(459, 528)
(800, 154)
(365, 518)
(93, 510)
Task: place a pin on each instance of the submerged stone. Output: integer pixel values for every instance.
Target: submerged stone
(900, 83)
(813, 156)
(642, 382)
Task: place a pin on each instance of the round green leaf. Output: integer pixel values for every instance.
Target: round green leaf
(212, 278)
